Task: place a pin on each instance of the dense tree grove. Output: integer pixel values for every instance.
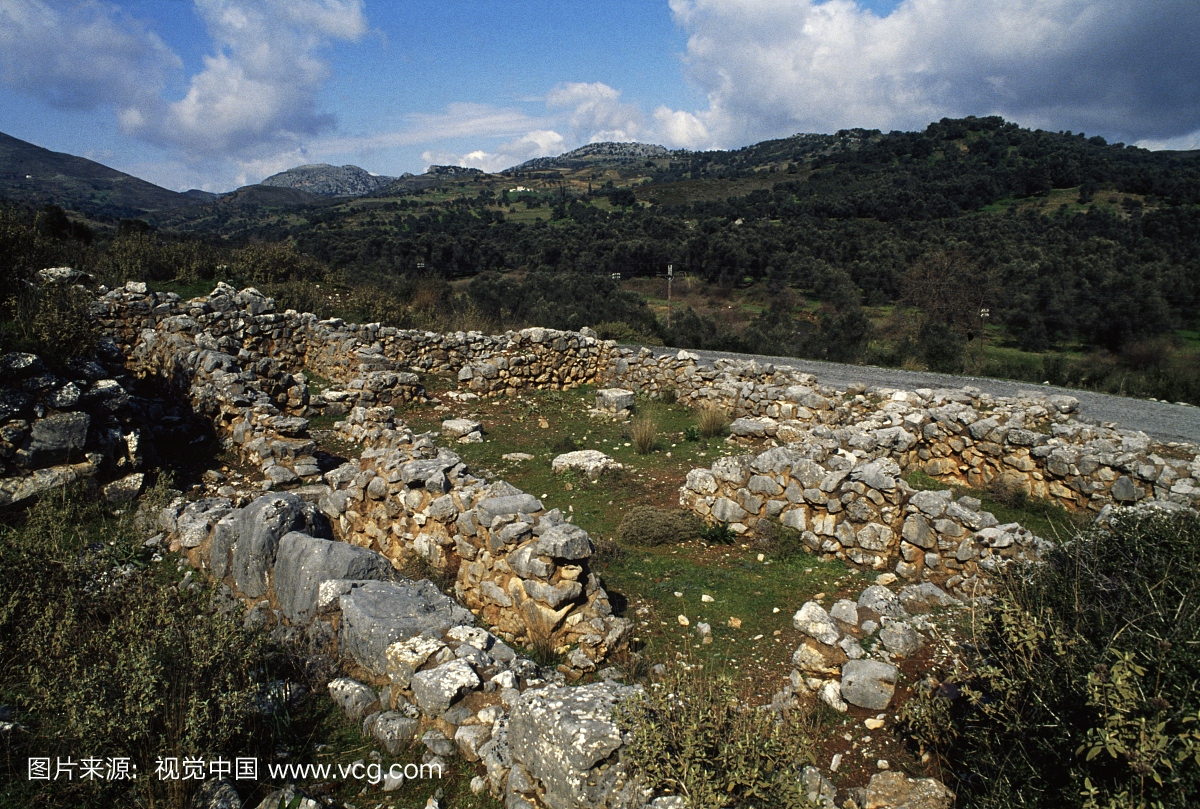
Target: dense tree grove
(864, 208)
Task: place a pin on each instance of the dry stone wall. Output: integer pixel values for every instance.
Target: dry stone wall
(522, 569)
(423, 673)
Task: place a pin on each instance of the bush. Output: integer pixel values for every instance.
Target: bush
(1085, 691)
(646, 525)
(52, 322)
(711, 420)
(644, 432)
(99, 657)
(693, 735)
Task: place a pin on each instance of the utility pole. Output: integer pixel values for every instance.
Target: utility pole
(670, 277)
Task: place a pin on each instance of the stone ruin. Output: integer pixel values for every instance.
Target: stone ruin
(317, 557)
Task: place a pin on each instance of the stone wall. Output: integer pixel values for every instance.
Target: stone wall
(422, 672)
(522, 569)
(842, 486)
(78, 422)
(860, 512)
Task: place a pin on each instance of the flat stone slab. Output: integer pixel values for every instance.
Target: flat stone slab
(592, 462)
(614, 400)
(377, 614)
(302, 563)
(457, 428)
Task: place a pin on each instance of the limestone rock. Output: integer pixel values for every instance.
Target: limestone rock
(895, 790)
(591, 462)
(435, 689)
(303, 562)
(814, 621)
(377, 614)
(565, 736)
(354, 698)
(869, 683)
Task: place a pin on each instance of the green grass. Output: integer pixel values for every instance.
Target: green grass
(647, 578)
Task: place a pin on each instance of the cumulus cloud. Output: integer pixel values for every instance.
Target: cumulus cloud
(81, 55)
(774, 67)
(596, 112)
(680, 129)
(257, 92)
(538, 143)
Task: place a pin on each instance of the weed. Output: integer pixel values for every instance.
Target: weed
(541, 648)
(607, 550)
(564, 443)
(691, 433)
(694, 735)
(668, 396)
(718, 534)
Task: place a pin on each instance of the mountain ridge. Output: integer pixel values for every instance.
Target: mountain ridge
(33, 174)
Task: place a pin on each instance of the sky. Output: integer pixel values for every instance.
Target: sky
(215, 94)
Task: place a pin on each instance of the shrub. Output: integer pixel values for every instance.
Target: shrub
(779, 540)
(646, 525)
(693, 735)
(644, 432)
(1085, 692)
(53, 322)
(711, 420)
(100, 655)
(607, 550)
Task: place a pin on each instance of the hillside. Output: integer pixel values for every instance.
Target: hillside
(33, 175)
(972, 246)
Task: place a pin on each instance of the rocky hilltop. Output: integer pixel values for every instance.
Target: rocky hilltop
(596, 153)
(329, 181)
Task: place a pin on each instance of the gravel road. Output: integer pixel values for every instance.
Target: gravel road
(1166, 422)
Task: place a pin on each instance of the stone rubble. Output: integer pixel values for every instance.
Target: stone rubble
(317, 560)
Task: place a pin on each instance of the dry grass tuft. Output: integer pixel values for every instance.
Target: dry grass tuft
(644, 432)
(712, 420)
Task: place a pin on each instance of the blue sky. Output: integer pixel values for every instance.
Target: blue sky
(218, 93)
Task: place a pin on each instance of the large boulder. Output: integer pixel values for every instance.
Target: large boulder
(55, 439)
(566, 737)
(303, 562)
(252, 534)
(869, 684)
(377, 614)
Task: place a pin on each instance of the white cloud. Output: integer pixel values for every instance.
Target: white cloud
(81, 55)
(680, 129)
(539, 143)
(774, 67)
(596, 112)
(1188, 142)
(257, 92)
